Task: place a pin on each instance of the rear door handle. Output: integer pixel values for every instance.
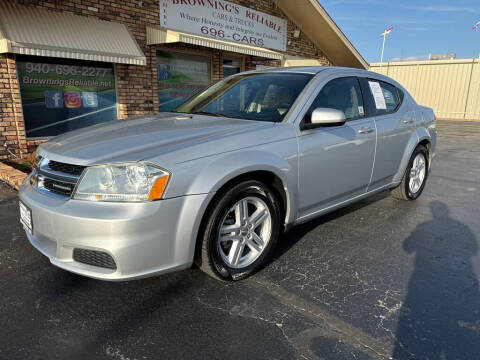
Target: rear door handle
(408, 121)
(365, 130)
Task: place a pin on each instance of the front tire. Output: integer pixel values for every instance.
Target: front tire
(240, 231)
(415, 176)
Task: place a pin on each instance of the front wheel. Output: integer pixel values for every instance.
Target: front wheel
(240, 232)
(415, 177)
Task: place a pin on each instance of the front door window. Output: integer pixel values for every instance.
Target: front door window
(342, 94)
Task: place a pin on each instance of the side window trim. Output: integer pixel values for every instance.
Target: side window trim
(364, 100)
(361, 98)
(368, 98)
(365, 88)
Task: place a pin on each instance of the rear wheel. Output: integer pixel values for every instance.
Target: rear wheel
(415, 177)
(240, 231)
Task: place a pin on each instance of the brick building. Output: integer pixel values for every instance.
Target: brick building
(66, 64)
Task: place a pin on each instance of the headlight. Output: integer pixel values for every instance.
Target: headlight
(35, 166)
(122, 182)
(36, 161)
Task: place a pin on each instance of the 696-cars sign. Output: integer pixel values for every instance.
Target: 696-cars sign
(225, 21)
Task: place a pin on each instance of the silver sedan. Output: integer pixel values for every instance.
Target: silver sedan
(217, 180)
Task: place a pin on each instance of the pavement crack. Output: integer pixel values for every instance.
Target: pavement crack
(237, 311)
(343, 330)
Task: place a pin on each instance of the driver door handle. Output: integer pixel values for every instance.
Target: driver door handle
(365, 130)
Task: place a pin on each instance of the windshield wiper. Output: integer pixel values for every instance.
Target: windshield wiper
(208, 113)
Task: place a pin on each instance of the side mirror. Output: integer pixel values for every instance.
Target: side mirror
(325, 117)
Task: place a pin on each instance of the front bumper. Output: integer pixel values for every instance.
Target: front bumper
(144, 239)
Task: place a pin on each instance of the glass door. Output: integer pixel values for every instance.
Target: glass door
(231, 66)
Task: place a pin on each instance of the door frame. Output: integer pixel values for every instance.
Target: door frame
(298, 116)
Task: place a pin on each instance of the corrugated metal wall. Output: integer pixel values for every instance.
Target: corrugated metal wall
(451, 87)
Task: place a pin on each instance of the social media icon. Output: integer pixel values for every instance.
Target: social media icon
(90, 99)
(72, 99)
(53, 99)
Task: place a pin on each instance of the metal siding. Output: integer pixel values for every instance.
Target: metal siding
(473, 105)
(68, 36)
(444, 86)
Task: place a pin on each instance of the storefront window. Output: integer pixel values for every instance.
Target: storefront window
(62, 95)
(179, 77)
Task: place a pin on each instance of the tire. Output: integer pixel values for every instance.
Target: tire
(215, 256)
(405, 191)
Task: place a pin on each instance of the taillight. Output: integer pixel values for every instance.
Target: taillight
(434, 120)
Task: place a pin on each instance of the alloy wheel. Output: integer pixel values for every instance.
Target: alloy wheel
(417, 174)
(244, 232)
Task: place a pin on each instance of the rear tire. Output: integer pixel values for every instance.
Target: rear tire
(240, 230)
(415, 176)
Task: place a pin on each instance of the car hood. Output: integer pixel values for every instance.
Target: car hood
(147, 137)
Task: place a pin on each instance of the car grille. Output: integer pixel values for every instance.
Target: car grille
(58, 187)
(55, 178)
(66, 168)
(94, 258)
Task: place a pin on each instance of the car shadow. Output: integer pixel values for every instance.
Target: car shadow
(440, 317)
(142, 306)
(294, 235)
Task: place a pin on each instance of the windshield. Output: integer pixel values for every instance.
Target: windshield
(260, 96)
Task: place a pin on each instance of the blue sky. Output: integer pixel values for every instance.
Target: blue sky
(420, 27)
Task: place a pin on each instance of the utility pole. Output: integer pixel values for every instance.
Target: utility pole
(384, 34)
(383, 46)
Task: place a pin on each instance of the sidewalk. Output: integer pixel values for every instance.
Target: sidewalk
(11, 176)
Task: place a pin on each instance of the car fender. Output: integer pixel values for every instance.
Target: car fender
(226, 167)
(222, 168)
(417, 137)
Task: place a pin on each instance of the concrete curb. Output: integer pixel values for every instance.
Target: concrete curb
(11, 176)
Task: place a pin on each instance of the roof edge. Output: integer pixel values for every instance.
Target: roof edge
(339, 32)
(424, 62)
(318, 18)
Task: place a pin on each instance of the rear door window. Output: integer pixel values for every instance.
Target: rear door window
(382, 98)
(391, 96)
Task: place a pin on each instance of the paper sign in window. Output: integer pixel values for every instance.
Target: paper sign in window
(378, 96)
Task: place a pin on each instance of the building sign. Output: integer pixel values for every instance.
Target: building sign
(224, 20)
(179, 77)
(62, 95)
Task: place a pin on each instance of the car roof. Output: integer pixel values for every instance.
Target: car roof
(330, 69)
(311, 70)
(292, 69)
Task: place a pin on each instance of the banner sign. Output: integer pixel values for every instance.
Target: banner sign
(62, 95)
(224, 20)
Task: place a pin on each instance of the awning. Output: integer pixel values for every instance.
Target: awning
(31, 31)
(300, 61)
(165, 36)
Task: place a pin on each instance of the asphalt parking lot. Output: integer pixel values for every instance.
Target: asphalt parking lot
(377, 280)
